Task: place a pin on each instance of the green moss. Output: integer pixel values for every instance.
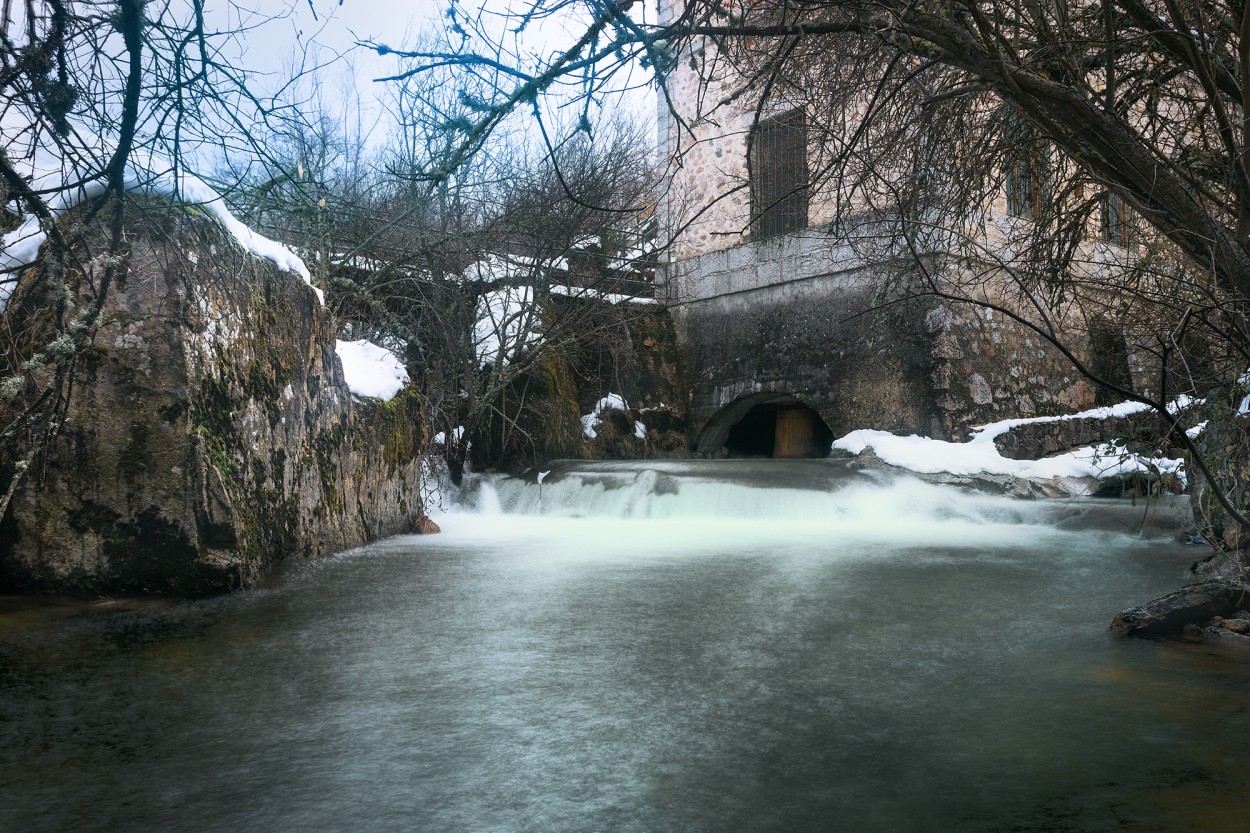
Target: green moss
(1225, 446)
(326, 447)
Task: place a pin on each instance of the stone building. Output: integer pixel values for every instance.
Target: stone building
(794, 331)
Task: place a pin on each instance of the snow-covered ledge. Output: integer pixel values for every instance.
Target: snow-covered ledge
(69, 186)
(1073, 472)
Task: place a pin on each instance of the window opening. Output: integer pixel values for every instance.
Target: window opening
(779, 175)
(1022, 182)
(1116, 225)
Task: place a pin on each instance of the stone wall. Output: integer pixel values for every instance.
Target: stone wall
(805, 317)
(210, 432)
(987, 367)
(790, 317)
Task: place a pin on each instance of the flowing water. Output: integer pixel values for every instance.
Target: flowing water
(712, 646)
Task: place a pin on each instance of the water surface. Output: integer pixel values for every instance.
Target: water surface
(680, 647)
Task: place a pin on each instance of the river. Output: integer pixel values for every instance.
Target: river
(703, 646)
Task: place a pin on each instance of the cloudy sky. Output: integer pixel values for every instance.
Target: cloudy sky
(333, 27)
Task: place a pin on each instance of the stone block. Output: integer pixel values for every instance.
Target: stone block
(980, 389)
(768, 272)
(741, 257)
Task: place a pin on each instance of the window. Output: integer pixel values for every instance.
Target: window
(1021, 180)
(779, 175)
(1116, 220)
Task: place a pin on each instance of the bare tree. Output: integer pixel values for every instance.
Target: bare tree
(98, 101)
(1023, 142)
(487, 276)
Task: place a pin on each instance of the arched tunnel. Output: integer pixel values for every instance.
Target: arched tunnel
(767, 425)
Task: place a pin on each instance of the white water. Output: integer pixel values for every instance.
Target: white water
(598, 506)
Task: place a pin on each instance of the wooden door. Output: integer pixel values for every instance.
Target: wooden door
(795, 435)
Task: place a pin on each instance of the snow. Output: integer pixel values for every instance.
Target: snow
(506, 322)
(981, 456)
(511, 268)
(144, 174)
(494, 268)
(610, 297)
(456, 433)
(589, 423)
(611, 402)
(371, 370)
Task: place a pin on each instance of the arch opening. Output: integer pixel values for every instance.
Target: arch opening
(785, 429)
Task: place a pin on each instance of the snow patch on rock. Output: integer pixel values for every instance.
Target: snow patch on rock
(981, 456)
(68, 187)
(611, 402)
(371, 370)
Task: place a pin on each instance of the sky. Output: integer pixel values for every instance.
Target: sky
(334, 27)
(265, 37)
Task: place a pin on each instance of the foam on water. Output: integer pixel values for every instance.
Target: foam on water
(686, 506)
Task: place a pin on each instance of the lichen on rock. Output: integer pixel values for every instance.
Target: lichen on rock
(210, 433)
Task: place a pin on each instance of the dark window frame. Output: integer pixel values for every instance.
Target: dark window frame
(1022, 181)
(1117, 222)
(779, 176)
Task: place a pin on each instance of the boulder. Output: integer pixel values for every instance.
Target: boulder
(1138, 484)
(1224, 565)
(1196, 603)
(425, 526)
(210, 431)
(1035, 440)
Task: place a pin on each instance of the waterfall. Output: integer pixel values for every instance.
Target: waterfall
(831, 497)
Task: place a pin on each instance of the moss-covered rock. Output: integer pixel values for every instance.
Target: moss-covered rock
(210, 432)
(1225, 445)
(628, 349)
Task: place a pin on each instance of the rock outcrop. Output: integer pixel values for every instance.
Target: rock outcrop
(1223, 444)
(1035, 440)
(1226, 588)
(1170, 614)
(209, 433)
